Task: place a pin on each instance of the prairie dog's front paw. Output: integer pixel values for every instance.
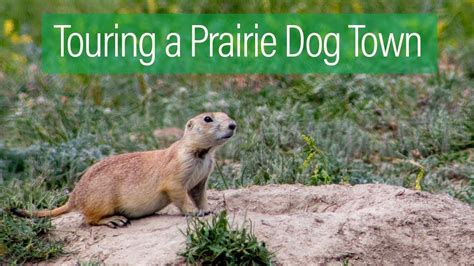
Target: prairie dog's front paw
(199, 213)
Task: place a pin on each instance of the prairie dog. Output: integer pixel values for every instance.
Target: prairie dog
(138, 184)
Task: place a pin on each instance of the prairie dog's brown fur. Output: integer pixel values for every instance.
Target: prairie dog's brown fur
(137, 184)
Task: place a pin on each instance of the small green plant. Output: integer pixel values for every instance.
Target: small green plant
(319, 171)
(215, 242)
(419, 179)
(420, 175)
(345, 262)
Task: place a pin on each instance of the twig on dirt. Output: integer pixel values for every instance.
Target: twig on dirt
(334, 204)
(225, 202)
(59, 230)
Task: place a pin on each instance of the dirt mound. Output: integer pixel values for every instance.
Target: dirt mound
(305, 225)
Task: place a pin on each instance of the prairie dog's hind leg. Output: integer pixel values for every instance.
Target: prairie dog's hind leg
(103, 217)
(114, 221)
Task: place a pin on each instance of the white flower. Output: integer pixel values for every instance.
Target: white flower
(33, 68)
(40, 100)
(22, 96)
(262, 109)
(222, 103)
(280, 116)
(211, 93)
(133, 137)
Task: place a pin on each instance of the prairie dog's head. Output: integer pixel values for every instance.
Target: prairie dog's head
(210, 129)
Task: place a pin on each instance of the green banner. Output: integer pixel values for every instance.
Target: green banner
(239, 43)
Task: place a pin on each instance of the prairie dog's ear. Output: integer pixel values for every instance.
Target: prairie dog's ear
(189, 125)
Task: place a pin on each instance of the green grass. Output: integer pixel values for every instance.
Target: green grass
(21, 239)
(366, 128)
(216, 242)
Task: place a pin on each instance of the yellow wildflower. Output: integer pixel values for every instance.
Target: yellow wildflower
(441, 26)
(123, 11)
(8, 27)
(20, 39)
(15, 38)
(9, 31)
(25, 38)
(174, 9)
(151, 4)
(357, 7)
(19, 58)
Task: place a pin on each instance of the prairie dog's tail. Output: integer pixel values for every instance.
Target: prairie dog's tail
(45, 213)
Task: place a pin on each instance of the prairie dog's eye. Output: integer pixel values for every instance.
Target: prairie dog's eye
(207, 119)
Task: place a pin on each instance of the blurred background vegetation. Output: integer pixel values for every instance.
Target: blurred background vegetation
(415, 131)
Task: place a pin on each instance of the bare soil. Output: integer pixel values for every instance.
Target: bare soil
(362, 224)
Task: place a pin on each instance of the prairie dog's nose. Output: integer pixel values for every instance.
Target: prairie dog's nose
(232, 125)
